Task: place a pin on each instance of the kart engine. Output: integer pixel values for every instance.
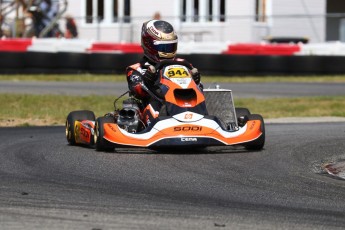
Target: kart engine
(128, 118)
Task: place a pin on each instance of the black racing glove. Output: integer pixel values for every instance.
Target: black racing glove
(150, 75)
(150, 79)
(196, 75)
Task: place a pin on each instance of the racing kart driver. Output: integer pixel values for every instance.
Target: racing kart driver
(159, 42)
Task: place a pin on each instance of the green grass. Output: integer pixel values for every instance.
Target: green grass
(209, 79)
(53, 109)
(63, 77)
(322, 106)
(27, 110)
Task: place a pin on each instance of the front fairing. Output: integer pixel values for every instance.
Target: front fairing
(189, 129)
(180, 91)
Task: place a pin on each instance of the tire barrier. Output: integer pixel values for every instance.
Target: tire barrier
(288, 40)
(34, 62)
(210, 64)
(107, 63)
(11, 62)
(72, 62)
(262, 49)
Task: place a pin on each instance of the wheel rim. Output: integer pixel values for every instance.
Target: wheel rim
(68, 133)
(95, 136)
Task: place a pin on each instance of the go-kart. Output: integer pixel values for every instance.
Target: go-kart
(189, 117)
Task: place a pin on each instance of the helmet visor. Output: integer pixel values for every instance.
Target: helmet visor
(165, 46)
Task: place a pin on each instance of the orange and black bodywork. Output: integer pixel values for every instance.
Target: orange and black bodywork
(186, 129)
(171, 131)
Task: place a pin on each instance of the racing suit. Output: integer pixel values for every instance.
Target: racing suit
(142, 73)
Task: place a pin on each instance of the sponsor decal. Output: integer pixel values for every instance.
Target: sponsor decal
(252, 125)
(153, 30)
(181, 81)
(111, 127)
(187, 105)
(134, 78)
(190, 139)
(188, 128)
(85, 135)
(188, 116)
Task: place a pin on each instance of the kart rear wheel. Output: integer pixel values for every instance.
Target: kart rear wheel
(102, 144)
(74, 116)
(259, 143)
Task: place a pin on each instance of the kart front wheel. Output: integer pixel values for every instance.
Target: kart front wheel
(102, 144)
(240, 112)
(74, 116)
(242, 116)
(259, 143)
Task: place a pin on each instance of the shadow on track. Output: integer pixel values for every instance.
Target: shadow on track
(182, 151)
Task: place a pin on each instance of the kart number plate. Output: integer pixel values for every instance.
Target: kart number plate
(176, 71)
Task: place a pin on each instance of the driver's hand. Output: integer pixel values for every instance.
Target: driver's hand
(150, 74)
(151, 69)
(196, 75)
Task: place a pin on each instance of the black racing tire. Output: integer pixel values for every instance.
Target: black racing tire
(242, 116)
(102, 144)
(242, 112)
(258, 144)
(73, 116)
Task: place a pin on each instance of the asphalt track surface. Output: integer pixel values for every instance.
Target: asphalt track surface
(47, 184)
(258, 90)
